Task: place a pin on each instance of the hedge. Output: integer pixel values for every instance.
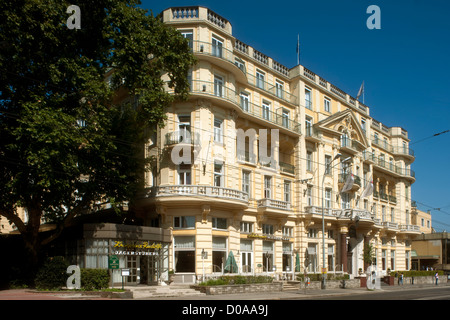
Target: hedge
(53, 276)
(229, 280)
(417, 273)
(94, 279)
(318, 276)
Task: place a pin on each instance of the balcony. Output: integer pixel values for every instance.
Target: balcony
(193, 194)
(410, 229)
(229, 98)
(349, 145)
(343, 178)
(312, 134)
(287, 168)
(390, 226)
(275, 91)
(404, 151)
(221, 57)
(272, 207)
(182, 137)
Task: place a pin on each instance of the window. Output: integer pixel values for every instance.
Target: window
(375, 138)
(246, 181)
(287, 256)
(326, 104)
(246, 227)
(285, 118)
(383, 213)
(363, 125)
(217, 47)
(219, 253)
(260, 79)
(287, 191)
(267, 229)
(219, 223)
(218, 130)
(312, 233)
(240, 64)
(392, 259)
(184, 222)
(246, 255)
(327, 198)
(327, 164)
(331, 257)
(218, 174)
(309, 199)
(184, 128)
(308, 101)
(288, 232)
(218, 86)
(267, 187)
(308, 126)
(309, 165)
(392, 215)
(189, 36)
(184, 253)
(345, 201)
(97, 253)
(383, 259)
(312, 257)
(266, 111)
(268, 256)
(184, 174)
(245, 102)
(279, 89)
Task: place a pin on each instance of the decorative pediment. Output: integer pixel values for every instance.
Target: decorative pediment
(344, 123)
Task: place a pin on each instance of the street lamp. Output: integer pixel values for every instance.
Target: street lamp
(328, 166)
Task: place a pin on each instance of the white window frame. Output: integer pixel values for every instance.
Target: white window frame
(218, 174)
(260, 79)
(218, 86)
(266, 109)
(218, 130)
(267, 187)
(327, 104)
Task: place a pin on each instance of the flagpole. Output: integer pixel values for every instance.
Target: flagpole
(298, 49)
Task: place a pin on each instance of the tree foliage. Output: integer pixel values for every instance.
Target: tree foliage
(66, 143)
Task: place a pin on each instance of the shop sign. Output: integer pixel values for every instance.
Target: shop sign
(266, 237)
(136, 249)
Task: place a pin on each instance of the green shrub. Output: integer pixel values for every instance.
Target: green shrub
(417, 273)
(52, 275)
(94, 279)
(229, 280)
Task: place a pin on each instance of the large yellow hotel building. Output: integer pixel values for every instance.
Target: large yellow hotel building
(280, 167)
(268, 213)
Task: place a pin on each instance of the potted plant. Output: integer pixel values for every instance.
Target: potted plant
(171, 276)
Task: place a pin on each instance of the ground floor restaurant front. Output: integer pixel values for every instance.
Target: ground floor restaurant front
(133, 254)
(154, 256)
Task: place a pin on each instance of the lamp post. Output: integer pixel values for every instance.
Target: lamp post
(328, 166)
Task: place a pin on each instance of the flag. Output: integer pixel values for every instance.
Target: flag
(361, 91)
(368, 190)
(348, 183)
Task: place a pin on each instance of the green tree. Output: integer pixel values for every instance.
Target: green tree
(368, 255)
(65, 142)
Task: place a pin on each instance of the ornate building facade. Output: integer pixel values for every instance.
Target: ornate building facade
(330, 180)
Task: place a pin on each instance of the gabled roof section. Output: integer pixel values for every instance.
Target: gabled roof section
(344, 122)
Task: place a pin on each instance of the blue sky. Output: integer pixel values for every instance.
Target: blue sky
(405, 66)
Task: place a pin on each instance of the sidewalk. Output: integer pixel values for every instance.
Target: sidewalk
(29, 294)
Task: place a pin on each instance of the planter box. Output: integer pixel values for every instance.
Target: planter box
(239, 288)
